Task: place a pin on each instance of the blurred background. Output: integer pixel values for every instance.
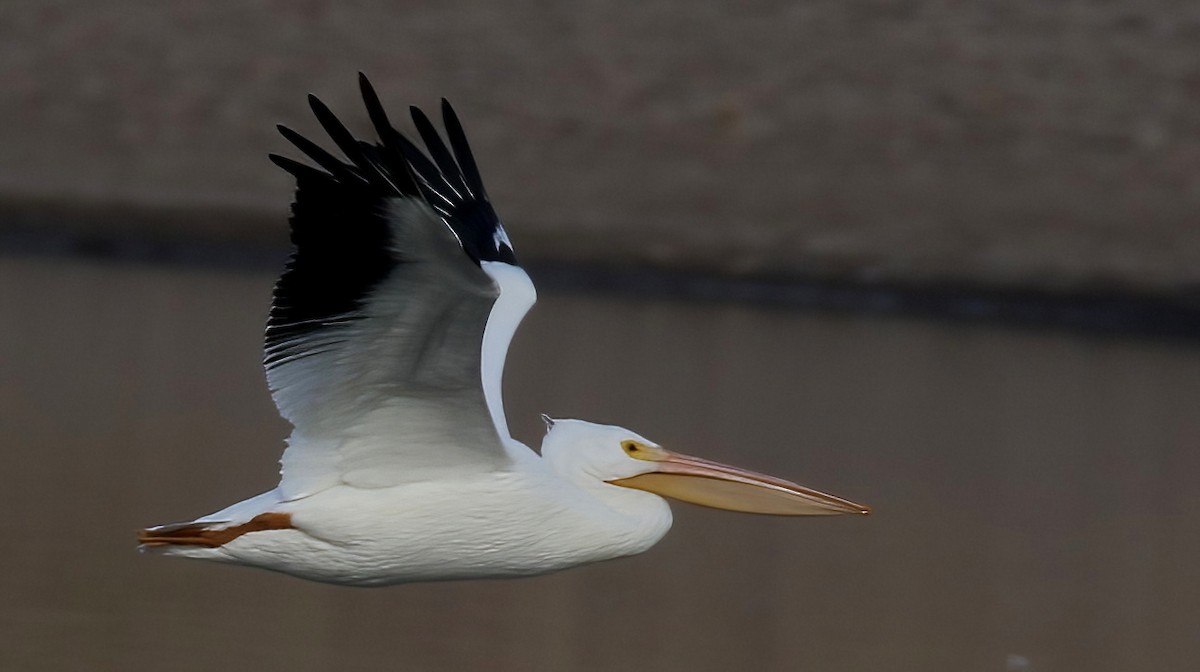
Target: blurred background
(939, 257)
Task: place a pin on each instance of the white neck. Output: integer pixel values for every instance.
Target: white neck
(639, 516)
(516, 297)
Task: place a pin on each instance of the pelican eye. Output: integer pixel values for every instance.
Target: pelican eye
(632, 448)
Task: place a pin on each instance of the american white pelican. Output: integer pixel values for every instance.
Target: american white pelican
(384, 349)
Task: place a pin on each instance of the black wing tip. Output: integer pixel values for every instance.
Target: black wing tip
(387, 134)
(344, 139)
(446, 177)
(462, 150)
(337, 168)
(325, 116)
(299, 141)
(371, 98)
(425, 127)
(295, 137)
(450, 117)
(294, 167)
(417, 111)
(319, 108)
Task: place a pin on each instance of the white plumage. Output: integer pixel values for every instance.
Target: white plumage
(385, 350)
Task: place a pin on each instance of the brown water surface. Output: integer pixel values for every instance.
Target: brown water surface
(1035, 493)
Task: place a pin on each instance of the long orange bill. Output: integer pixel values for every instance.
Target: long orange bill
(707, 483)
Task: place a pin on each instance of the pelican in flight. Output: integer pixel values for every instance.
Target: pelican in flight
(384, 349)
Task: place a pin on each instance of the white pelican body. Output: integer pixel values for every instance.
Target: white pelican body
(517, 522)
(385, 349)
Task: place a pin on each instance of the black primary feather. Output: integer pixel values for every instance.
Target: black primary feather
(341, 136)
(388, 137)
(297, 169)
(437, 150)
(340, 228)
(340, 171)
(462, 151)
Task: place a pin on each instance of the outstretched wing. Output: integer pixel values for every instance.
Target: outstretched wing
(389, 327)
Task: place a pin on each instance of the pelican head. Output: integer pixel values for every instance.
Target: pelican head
(621, 458)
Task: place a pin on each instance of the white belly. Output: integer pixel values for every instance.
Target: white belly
(490, 525)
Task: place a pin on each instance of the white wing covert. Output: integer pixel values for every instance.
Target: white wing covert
(389, 327)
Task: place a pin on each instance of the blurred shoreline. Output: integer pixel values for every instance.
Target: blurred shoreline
(246, 241)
